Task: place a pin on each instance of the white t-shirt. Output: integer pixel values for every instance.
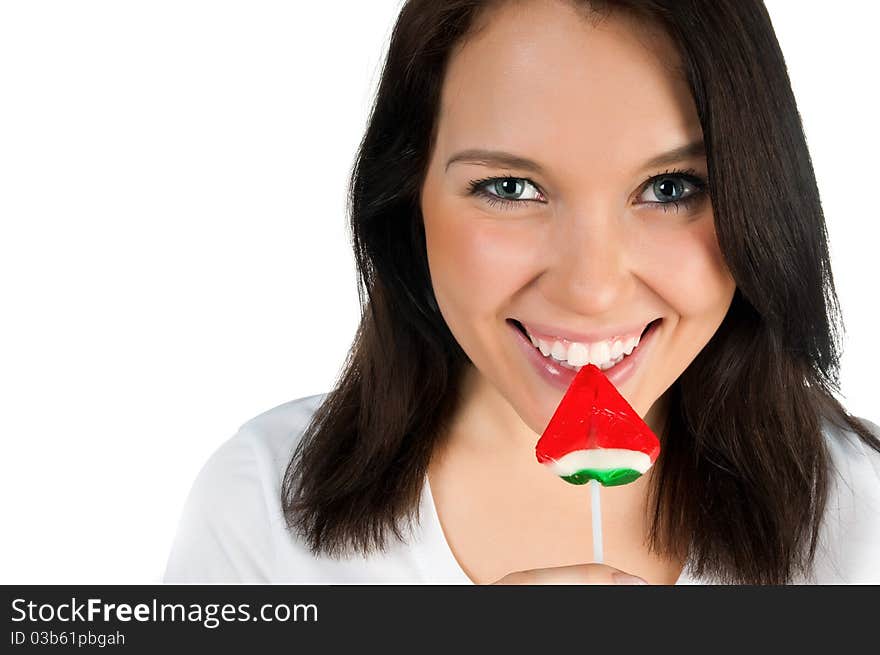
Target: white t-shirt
(233, 530)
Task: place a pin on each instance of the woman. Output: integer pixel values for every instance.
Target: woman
(537, 173)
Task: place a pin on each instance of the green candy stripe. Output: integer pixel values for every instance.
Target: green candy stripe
(608, 477)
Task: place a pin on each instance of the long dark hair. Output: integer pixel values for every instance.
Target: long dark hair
(742, 483)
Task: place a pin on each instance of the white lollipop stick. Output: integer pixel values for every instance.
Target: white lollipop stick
(597, 522)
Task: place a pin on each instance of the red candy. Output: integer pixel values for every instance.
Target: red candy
(596, 434)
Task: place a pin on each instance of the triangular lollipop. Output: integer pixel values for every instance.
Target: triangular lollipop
(596, 434)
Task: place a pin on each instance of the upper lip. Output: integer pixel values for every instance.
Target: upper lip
(548, 332)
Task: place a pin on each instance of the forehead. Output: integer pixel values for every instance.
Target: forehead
(539, 78)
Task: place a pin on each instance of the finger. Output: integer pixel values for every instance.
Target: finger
(575, 574)
(580, 574)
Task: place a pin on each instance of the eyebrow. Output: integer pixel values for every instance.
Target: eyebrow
(503, 159)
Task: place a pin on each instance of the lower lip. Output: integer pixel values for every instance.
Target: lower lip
(560, 377)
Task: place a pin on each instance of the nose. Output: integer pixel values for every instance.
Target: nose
(586, 269)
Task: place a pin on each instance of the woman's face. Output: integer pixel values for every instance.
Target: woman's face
(580, 240)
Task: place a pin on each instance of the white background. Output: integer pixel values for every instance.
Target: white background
(174, 256)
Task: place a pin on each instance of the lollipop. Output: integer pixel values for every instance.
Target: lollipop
(596, 436)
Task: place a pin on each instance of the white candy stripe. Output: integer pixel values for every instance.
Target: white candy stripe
(600, 459)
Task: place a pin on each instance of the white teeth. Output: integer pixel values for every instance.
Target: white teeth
(559, 351)
(578, 354)
(603, 354)
(613, 362)
(600, 353)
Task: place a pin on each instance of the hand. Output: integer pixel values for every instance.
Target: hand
(599, 574)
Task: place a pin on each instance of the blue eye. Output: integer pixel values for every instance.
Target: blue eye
(674, 189)
(503, 191)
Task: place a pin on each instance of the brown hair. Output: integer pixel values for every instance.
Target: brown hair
(743, 478)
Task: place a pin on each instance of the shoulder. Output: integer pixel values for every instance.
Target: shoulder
(851, 526)
(851, 457)
(232, 518)
(274, 434)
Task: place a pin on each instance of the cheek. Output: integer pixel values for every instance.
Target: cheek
(476, 264)
(685, 267)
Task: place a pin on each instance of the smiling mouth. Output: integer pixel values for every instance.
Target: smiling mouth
(519, 326)
(601, 357)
